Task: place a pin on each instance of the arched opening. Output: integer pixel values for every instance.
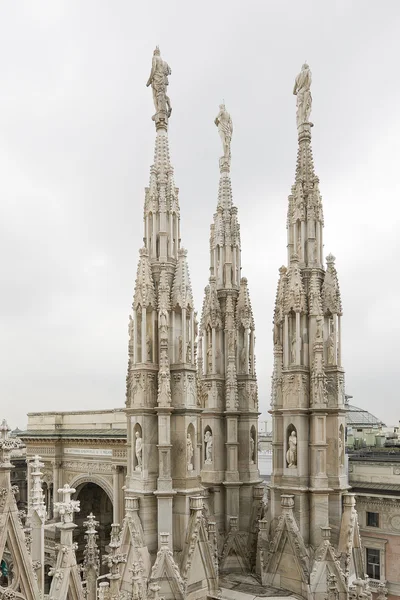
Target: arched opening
(93, 499)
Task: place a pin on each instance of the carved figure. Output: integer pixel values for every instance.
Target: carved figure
(180, 349)
(130, 328)
(293, 349)
(209, 446)
(189, 452)
(158, 80)
(291, 454)
(302, 89)
(276, 334)
(252, 445)
(148, 347)
(209, 358)
(318, 335)
(341, 447)
(243, 359)
(189, 353)
(163, 320)
(138, 451)
(225, 129)
(331, 346)
(320, 391)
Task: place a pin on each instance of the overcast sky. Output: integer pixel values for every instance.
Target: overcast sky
(76, 145)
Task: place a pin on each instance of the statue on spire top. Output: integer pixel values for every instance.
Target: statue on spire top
(225, 129)
(158, 80)
(302, 89)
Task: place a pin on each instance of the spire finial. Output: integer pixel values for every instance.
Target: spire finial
(302, 89)
(158, 80)
(225, 129)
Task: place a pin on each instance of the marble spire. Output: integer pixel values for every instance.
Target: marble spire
(162, 409)
(309, 479)
(227, 366)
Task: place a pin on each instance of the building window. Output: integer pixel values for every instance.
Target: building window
(372, 519)
(373, 563)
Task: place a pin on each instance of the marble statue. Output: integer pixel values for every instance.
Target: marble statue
(189, 452)
(318, 335)
(331, 346)
(341, 447)
(291, 454)
(189, 353)
(158, 80)
(130, 328)
(243, 359)
(209, 358)
(148, 347)
(252, 445)
(163, 320)
(138, 451)
(209, 447)
(302, 89)
(293, 349)
(225, 129)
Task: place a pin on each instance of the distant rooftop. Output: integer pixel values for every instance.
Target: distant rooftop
(361, 418)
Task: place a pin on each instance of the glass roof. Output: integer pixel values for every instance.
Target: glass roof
(359, 417)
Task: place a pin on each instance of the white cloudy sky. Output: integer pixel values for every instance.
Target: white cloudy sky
(76, 144)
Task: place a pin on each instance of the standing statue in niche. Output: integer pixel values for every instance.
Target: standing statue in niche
(189, 353)
(331, 346)
(293, 350)
(158, 80)
(302, 89)
(252, 446)
(209, 358)
(291, 454)
(225, 129)
(318, 335)
(163, 320)
(209, 447)
(138, 451)
(243, 360)
(189, 452)
(148, 347)
(341, 447)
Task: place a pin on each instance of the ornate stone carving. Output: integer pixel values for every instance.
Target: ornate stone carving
(225, 129)
(291, 454)
(208, 439)
(302, 89)
(189, 452)
(138, 451)
(158, 80)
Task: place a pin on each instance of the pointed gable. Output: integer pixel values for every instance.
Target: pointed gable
(244, 311)
(165, 576)
(182, 288)
(144, 286)
(331, 300)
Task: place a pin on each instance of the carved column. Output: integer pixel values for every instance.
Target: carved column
(144, 335)
(116, 494)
